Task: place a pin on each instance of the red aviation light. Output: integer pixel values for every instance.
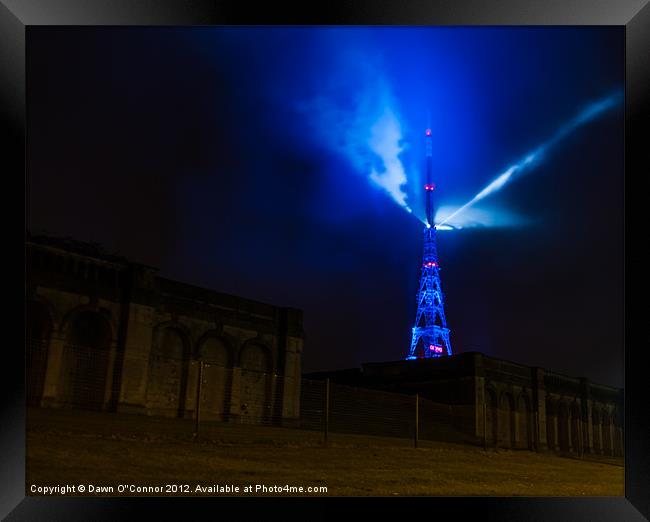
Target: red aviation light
(428, 132)
(432, 186)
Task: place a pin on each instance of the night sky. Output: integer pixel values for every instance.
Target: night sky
(241, 159)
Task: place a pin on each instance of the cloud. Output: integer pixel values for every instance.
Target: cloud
(385, 139)
(356, 116)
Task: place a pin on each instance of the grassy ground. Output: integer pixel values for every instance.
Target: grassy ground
(65, 447)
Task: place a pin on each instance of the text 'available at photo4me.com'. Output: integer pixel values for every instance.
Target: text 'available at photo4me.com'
(172, 489)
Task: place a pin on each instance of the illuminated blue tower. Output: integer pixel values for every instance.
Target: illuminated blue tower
(430, 333)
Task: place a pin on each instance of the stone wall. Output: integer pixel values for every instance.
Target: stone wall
(108, 334)
(514, 406)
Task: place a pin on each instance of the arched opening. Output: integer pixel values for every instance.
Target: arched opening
(86, 360)
(563, 426)
(506, 421)
(168, 368)
(217, 379)
(256, 379)
(39, 329)
(524, 422)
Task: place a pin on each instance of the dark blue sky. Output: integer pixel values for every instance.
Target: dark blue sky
(241, 160)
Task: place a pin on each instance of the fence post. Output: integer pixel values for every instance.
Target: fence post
(485, 440)
(327, 411)
(197, 406)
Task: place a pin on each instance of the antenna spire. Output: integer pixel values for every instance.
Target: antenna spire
(430, 332)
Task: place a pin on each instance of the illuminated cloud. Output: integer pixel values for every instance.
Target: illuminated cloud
(385, 141)
(357, 117)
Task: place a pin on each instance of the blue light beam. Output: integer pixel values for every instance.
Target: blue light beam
(589, 113)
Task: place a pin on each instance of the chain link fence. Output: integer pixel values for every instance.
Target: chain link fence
(340, 409)
(211, 397)
(214, 395)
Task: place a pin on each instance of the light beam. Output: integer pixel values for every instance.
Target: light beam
(589, 113)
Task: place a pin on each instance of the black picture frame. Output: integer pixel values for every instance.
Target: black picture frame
(16, 16)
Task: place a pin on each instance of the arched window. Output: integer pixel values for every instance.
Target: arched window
(86, 360)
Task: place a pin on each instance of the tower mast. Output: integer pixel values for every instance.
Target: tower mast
(430, 332)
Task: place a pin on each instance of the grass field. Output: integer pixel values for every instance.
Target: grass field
(67, 447)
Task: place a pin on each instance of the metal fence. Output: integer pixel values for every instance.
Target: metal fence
(340, 409)
(213, 398)
(212, 394)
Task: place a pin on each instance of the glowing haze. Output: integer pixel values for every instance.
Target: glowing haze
(358, 117)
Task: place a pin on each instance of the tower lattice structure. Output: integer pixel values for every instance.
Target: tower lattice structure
(430, 332)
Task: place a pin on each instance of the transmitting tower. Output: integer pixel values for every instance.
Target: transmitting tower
(430, 332)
